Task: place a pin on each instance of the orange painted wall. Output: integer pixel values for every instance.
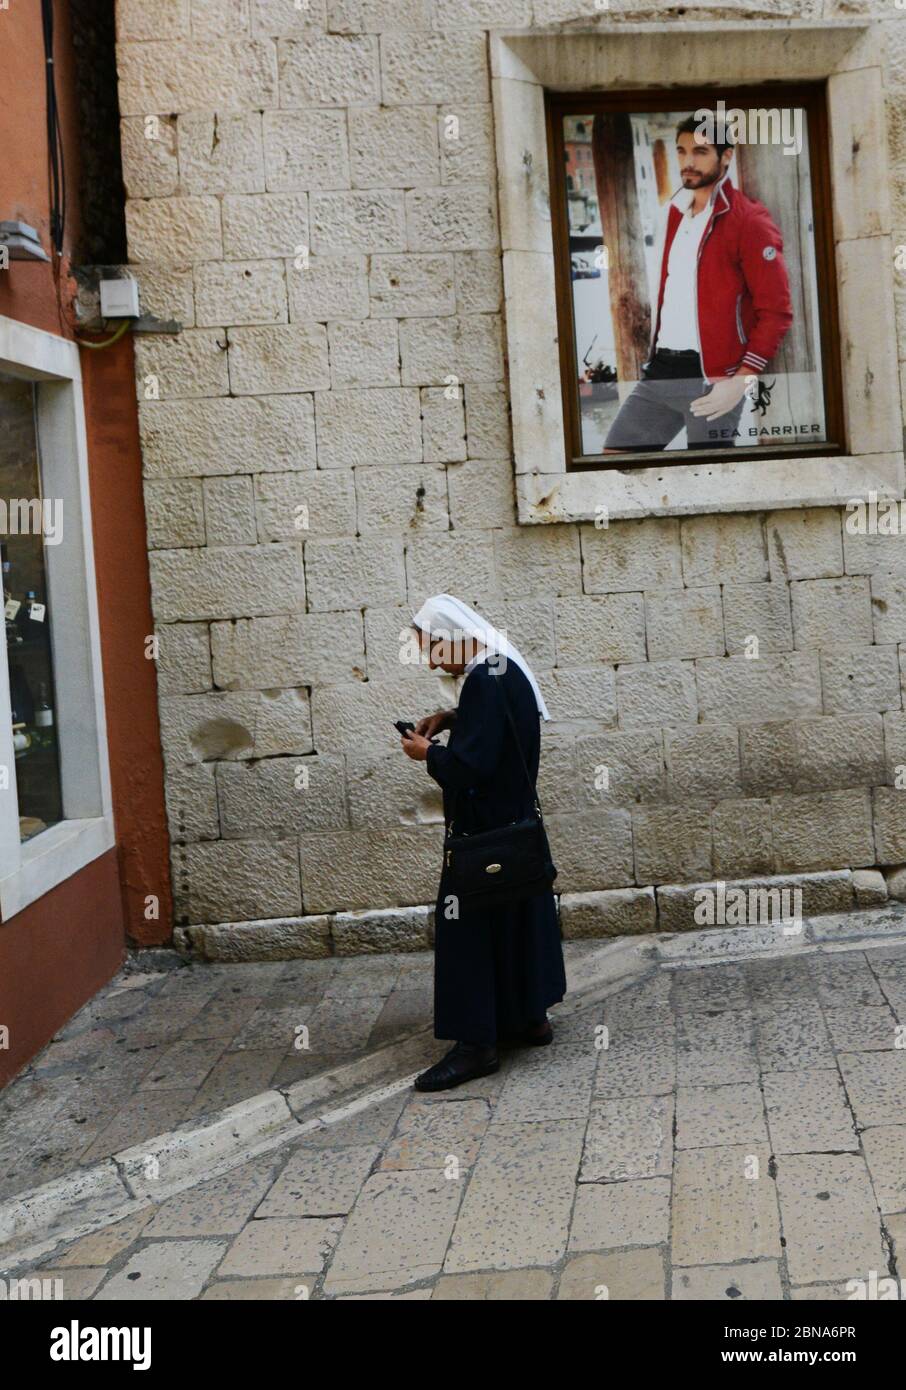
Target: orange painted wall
(124, 600)
(56, 953)
(28, 291)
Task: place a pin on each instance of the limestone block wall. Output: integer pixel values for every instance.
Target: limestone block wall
(326, 442)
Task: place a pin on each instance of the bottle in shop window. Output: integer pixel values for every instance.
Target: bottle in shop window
(30, 618)
(11, 605)
(43, 711)
(20, 695)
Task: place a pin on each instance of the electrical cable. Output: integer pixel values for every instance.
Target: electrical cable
(108, 342)
(54, 136)
(57, 172)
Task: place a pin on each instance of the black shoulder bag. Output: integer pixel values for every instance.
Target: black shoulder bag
(505, 865)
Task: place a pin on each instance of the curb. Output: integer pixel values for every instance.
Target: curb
(33, 1222)
(159, 1167)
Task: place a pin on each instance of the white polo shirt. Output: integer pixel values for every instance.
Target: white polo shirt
(678, 310)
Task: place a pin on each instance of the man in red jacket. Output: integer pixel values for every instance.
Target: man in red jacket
(723, 307)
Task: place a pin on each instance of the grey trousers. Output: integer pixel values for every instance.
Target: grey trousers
(658, 408)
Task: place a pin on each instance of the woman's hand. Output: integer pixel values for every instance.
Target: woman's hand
(415, 746)
(723, 396)
(434, 723)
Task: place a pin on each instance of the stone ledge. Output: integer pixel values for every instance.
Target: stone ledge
(601, 914)
(278, 938)
(611, 912)
(379, 931)
(831, 891)
(386, 929)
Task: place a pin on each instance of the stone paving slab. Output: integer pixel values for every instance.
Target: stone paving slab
(517, 1206)
(322, 1184)
(429, 1136)
(510, 1285)
(273, 1245)
(841, 981)
(82, 1284)
(716, 1049)
(629, 1275)
(876, 1084)
(628, 1138)
(791, 1034)
(169, 1270)
(707, 991)
(830, 1217)
(724, 1206)
(751, 1282)
(270, 1290)
(885, 1154)
(638, 1061)
(863, 1029)
(220, 1207)
(550, 1084)
(807, 1112)
(612, 1214)
(718, 1116)
(563, 1176)
(397, 1233)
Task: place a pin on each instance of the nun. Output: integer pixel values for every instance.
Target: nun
(496, 971)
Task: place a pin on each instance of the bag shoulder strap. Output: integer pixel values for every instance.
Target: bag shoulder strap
(532, 786)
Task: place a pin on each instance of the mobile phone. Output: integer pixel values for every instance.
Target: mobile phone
(403, 726)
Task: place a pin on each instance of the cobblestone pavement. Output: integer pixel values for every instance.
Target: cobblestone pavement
(743, 1135)
(170, 1042)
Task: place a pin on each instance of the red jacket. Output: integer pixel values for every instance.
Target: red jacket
(742, 290)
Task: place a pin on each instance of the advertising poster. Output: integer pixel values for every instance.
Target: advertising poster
(693, 279)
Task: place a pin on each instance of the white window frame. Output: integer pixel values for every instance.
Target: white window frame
(614, 56)
(29, 870)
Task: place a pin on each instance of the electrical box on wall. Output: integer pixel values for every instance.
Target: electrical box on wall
(119, 299)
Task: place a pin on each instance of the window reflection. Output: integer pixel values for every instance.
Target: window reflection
(28, 649)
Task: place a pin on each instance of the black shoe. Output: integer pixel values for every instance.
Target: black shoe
(530, 1037)
(464, 1062)
(538, 1039)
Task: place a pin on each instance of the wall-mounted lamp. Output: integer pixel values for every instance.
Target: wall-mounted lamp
(22, 242)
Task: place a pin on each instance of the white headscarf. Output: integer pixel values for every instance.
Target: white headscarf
(444, 616)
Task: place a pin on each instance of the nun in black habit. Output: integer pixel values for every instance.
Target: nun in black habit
(496, 971)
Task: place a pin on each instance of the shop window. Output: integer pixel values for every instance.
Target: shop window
(55, 804)
(29, 517)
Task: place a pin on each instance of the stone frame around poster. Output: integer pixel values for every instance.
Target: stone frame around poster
(845, 54)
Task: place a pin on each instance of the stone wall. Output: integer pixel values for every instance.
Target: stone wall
(311, 476)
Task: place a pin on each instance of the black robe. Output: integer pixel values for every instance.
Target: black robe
(495, 970)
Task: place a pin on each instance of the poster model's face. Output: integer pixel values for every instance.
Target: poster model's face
(701, 164)
(693, 280)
